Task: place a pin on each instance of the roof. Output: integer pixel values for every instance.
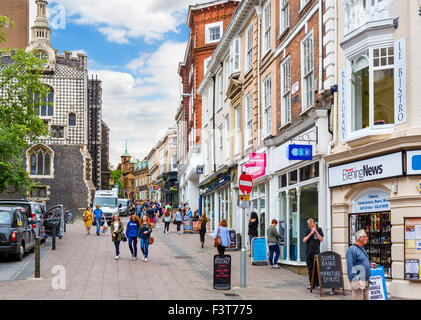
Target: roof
(205, 5)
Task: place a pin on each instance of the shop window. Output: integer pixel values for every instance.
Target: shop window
(282, 181)
(378, 229)
(293, 177)
(309, 199)
(292, 225)
(282, 222)
(309, 172)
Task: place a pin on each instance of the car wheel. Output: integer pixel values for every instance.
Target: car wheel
(19, 256)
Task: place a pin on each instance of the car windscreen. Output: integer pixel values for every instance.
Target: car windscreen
(105, 202)
(5, 217)
(123, 202)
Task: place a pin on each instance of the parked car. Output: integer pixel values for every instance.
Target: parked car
(124, 209)
(16, 233)
(54, 217)
(34, 211)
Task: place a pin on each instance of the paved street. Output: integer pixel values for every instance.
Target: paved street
(177, 269)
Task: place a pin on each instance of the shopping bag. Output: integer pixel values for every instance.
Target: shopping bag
(104, 227)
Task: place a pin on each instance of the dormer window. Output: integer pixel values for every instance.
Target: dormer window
(213, 32)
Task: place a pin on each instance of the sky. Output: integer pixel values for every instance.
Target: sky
(134, 47)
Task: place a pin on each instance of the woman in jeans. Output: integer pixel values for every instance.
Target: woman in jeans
(132, 233)
(167, 219)
(202, 222)
(223, 232)
(273, 239)
(145, 233)
(116, 229)
(178, 219)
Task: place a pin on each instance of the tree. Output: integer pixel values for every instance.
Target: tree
(116, 174)
(20, 127)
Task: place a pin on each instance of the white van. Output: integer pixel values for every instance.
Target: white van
(108, 203)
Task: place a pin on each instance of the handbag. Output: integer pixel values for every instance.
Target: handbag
(199, 226)
(217, 242)
(151, 240)
(123, 237)
(85, 218)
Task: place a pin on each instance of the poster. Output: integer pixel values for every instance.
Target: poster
(410, 233)
(412, 269)
(378, 289)
(418, 245)
(410, 244)
(418, 232)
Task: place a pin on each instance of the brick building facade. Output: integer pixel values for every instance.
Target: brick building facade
(18, 12)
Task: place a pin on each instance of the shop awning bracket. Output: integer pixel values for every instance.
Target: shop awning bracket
(305, 137)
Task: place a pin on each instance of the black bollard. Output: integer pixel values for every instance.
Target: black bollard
(37, 258)
(54, 239)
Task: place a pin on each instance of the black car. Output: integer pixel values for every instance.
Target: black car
(16, 233)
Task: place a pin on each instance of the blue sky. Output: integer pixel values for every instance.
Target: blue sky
(134, 47)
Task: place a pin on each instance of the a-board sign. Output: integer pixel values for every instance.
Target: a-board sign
(187, 228)
(378, 290)
(328, 268)
(233, 241)
(222, 272)
(259, 252)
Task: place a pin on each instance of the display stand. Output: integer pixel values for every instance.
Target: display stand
(327, 267)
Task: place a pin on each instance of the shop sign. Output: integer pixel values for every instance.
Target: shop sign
(413, 162)
(378, 290)
(256, 166)
(200, 169)
(366, 170)
(400, 81)
(342, 105)
(371, 201)
(300, 152)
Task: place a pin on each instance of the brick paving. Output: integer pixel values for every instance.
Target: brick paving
(177, 269)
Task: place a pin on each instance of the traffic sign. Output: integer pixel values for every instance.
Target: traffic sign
(245, 183)
(244, 197)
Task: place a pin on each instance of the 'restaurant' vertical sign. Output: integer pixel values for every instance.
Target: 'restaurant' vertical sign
(342, 105)
(400, 81)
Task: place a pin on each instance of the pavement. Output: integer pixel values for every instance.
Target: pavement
(83, 267)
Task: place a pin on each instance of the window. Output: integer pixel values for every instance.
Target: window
(213, 32)
(266, 28)
(249, 119)
(307, 73)
(249, 49)
(221, 146)
(174, 162)
(284, 23)
(72, 120)
(235, 58)
(237, 123)
(44, 105)
(220, 90)
(267, 115)
(38, 192)
(40, 161)
(372, 89)
(285, 92)
(304, 2)
(227, 138)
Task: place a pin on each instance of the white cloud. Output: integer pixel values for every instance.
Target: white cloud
(141, 106)
(124, 19)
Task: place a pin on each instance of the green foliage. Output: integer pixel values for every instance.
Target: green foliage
(116, 174)
(20, 126)
(4, 23)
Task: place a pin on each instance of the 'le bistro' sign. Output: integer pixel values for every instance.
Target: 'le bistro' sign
(382, 167)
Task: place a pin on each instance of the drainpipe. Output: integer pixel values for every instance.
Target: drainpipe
(213, 121)
(321, 46)
(259, 21)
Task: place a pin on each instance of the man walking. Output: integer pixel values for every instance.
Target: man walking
(358, 264)
(98, 215)
(313, 238)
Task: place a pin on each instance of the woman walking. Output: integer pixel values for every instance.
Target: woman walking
(132, 233)
(87, 217)
(202, 231)
(273, 239)
(145, 233)
(253, 224)
(178, 219)
(224, 236)
(116, 229)
(167, 219)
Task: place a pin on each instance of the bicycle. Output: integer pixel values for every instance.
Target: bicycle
(69, 217)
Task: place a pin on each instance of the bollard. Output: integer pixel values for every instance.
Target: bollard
(37, 258)
(54, 239)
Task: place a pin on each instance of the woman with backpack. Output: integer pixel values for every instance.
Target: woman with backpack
(167, 219)
(132, 233)
(202, 228)
(116, 229)
(145, 234)
(222, 237)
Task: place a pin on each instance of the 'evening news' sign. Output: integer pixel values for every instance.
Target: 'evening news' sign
(366, 170)
(378, 289)
(371, 201)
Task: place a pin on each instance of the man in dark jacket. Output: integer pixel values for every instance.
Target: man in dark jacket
(313, 238)
(253, 224)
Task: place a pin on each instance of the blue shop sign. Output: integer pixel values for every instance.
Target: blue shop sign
(300, 152)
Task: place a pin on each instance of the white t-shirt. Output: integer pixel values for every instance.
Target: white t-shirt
(115, 226)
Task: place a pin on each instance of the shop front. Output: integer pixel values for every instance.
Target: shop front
(379, 194)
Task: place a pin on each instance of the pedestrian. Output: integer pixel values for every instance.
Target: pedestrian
(98, 214)
(273, 240)
(178, 219)
(151, 216)
(145, 233)
(167, 220)
(224, 235)
(190, 213)
(202, 229)
(132, 233)
(116, 229)
(87, 217)
(358, 265)
(253, 224)
(313, 237)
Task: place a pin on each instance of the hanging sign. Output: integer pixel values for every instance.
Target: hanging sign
(256, 167)
(378, 290)
(300, 152)
(342, 105)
